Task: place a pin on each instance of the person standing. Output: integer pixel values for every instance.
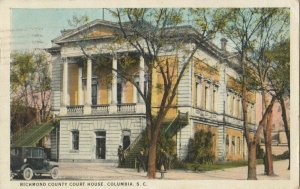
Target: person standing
(120, 155)
(141, 161)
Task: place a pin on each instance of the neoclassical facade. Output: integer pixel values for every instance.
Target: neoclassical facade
(99, 111)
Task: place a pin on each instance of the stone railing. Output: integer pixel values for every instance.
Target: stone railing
(75, 110)
(205, 114)
(100, 109)
(127, 107)
(233, 120)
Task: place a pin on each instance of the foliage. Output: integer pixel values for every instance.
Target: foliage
(200, 148)
(283, 156)
(30, 87)
(259, 152)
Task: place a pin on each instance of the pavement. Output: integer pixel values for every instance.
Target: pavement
(110, 171)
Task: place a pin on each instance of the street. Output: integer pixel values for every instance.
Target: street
(109, 171)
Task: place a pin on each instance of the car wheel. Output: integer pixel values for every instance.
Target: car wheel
(54, 172)
(27, 173)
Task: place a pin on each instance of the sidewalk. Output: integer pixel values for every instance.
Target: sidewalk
(109, 171)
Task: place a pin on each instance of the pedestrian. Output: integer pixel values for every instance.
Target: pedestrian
(141, 161)
(163, 160)
(120, 155)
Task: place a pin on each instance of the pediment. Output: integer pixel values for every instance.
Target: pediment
(93, 30)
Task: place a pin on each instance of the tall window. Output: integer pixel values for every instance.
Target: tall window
(75, 140)
(232, 104)
(198, 93)
(119, 92)
(238, 144)
(94, 94)
(207, 104)
(233, 145)
(214, 99)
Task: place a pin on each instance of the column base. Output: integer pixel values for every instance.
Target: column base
(112, 109)
(87, 110)
(140, 108)
(63, 111)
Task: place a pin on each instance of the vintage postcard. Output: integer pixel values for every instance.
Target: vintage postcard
(143, 94)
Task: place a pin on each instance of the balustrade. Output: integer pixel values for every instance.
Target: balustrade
(100, 109)
(75, 110)
(128, 108)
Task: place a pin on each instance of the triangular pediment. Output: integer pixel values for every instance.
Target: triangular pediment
(92, 30)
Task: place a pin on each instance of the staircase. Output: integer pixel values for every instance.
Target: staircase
(170, 128)
(33, 134)
(132, 151)
(178, 123)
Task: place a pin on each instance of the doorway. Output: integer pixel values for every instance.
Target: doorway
(126, 139)
(100, 144)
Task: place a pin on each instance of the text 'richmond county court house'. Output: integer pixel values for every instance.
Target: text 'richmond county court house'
(99, 111)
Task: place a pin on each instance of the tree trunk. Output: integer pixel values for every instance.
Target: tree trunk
(152, 159)
(285, 124)
(265, 152)
(268, 142)
(252, 160)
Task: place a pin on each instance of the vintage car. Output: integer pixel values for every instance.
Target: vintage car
(29, 162)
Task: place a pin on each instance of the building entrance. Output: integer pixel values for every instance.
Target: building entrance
(100, 144)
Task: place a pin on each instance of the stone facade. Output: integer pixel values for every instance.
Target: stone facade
(99, 111)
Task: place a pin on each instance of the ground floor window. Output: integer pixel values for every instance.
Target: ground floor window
(75, 140)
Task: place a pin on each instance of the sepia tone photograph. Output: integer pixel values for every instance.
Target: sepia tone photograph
(144, 97)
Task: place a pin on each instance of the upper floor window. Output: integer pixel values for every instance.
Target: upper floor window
(94, 94)
(198, 92)
(75, 140)
(119, 91)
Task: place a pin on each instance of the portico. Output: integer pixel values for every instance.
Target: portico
(83, 93)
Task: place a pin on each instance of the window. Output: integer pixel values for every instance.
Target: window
(94, 94)
(233, 145)
(198, 93)
(214, 99)
(232, 99)
(75, 140)
(207, 98)
(227, 144)
(119, 92)
(238, 144)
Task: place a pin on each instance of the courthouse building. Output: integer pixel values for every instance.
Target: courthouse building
(99, 111)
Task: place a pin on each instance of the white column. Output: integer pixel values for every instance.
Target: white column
(80, 86)
(113, 105)
(140, 106)
(65, 93)
(65, 83)
(114, 81)
(88, 102)
(89, 82)
(142, 74)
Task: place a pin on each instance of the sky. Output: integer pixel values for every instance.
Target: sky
(35, 28)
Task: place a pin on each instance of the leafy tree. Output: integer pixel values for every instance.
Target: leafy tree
(30, 87)
(153, 33)
(271, 31)
(246, 29)
(279, 78)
